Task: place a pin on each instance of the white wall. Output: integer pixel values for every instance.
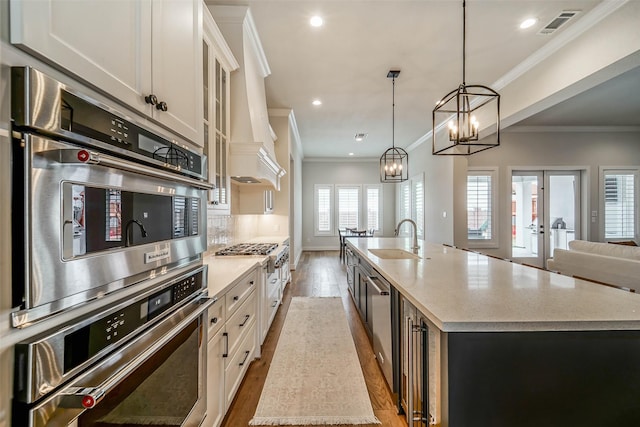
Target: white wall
(341, 172)
(439, 178)
(560, 150)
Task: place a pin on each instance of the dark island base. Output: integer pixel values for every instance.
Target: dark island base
(564, 379)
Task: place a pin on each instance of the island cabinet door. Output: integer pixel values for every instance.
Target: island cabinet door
(420, 368)
(533, 379)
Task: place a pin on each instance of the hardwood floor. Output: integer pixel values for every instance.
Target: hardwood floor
(319, 274)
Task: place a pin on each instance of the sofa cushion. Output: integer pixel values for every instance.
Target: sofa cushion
(613, 270)
(617, 251)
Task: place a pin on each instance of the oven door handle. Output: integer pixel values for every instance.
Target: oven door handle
(86, 397)
(84, 156)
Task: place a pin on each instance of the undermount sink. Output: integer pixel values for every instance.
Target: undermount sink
(393, 254)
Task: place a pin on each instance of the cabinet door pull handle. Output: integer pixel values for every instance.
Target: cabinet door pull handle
(151, 99)
(246, 319)
(251, 283)
(226, 344)
(246, 355)
(162, 106)
(410, 355)
(214, 320)
(274, 304)
(236, 298)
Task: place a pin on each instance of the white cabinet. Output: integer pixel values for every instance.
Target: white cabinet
(271, 291)
(215, 381)
(255, 200)
(232, 345)
(136, 51)
(217, 63)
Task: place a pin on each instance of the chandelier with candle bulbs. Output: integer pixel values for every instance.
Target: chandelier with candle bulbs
(456, 117)
(394, 163)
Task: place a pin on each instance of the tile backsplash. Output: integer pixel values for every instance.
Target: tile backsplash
(226, 230)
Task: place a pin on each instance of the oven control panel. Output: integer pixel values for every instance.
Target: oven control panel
(82, 344)
(81, 117)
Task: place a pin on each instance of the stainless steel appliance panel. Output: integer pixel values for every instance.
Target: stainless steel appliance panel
(56, 277)
(381, 325)
(98, 386)
(49, 107)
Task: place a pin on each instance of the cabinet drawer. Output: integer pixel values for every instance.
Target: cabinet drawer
(273, 282)
(239, 293)
(216, 316)
(240, 322)
(238, 364)
(271, 305)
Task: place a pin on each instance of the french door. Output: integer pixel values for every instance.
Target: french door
(545, 213)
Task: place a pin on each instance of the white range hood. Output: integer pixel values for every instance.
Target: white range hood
(252, 157)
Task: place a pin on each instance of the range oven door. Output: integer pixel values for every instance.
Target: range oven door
(156, 379)
(94, 223)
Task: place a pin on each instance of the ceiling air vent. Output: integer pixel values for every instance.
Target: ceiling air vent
(558, 21)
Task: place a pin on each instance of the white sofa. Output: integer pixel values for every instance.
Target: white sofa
(617, 265)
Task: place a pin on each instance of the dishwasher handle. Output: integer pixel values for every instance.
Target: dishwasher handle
(379, 291)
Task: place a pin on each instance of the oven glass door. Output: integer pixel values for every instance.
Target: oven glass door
(107, 218)
(161, 392)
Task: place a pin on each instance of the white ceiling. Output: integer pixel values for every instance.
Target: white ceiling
(345, 63)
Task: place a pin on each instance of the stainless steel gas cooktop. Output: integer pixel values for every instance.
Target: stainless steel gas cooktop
(249, 249)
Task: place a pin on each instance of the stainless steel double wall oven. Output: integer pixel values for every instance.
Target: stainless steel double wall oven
(105, 203)
(100, 202)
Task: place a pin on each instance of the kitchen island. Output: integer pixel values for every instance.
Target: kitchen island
(505, 344)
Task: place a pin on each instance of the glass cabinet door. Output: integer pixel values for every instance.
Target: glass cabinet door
(216, 124)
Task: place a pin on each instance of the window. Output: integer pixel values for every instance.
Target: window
(620, 210)
(411, 205)
(481, 205)
(373, 207)
(347, 206)
(323, 210)
(417, 205)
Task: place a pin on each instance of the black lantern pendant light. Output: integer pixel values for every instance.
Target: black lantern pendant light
(394, 163)
(457, 116)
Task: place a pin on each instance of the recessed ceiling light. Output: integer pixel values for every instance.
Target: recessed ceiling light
(316, 102)
(359, 137)
(527, 23)
(351, 154)
(316, 21)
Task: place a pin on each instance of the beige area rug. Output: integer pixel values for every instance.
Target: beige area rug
(315, 376)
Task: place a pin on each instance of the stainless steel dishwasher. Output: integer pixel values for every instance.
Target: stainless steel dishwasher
(379, 293)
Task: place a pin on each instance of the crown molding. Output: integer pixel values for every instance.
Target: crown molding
(255, 43)
(571, 129)
(341, 160)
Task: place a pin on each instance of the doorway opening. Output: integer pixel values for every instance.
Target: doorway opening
(545, 213)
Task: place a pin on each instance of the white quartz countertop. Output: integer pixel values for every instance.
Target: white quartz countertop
(224, 270)
(464, 291)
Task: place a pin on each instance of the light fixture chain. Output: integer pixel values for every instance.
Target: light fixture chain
(464, 41)
(393, 113)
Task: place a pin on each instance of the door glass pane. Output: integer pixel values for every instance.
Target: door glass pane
(524, 216)
(562, 214)
(223, 170)
(205, 78)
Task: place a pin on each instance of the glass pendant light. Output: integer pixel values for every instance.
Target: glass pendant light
(457, 116)
(394, 163)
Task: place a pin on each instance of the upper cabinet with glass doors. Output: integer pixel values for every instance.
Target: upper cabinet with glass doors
(217, 62)
(145, 54)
